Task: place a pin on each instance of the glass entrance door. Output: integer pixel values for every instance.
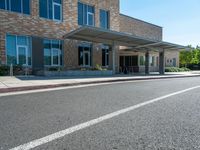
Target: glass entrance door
(86, 58)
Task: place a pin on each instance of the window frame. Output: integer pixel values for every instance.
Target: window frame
(8, 8)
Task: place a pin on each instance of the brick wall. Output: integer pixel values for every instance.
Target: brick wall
(140, 28)
(33, 25)
(169, 55)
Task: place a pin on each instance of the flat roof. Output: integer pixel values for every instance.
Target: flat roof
(110, 37)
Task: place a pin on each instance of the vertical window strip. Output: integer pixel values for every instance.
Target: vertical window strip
(85, 13)
(53, 50)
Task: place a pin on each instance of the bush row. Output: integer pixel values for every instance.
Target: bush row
(17, 70)
(176, 69)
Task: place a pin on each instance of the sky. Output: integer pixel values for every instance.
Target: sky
(180, 19)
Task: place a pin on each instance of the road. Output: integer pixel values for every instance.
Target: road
(152, 122)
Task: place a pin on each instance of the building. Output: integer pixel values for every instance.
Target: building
(46, 34)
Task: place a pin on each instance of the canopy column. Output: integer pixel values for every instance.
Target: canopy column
(147, 70)
(114, 57)
(162, 62)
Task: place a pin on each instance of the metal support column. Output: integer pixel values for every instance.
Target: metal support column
(162, 62)
(147, 71)
(114, 57)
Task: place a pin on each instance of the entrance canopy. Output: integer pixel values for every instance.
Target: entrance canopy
(99, 35)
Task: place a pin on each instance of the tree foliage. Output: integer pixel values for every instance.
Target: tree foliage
(191, 56)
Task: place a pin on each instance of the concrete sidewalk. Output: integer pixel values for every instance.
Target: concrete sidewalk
(24, 83)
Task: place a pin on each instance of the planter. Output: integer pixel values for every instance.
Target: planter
(78, 73)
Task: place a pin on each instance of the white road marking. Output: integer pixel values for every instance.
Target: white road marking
(72, 87)
(81, 126)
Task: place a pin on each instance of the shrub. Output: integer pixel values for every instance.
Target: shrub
(53, 69)
(98, 67)
(176, 69)
(4, 70)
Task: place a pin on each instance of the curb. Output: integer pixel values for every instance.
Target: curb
(39, 87)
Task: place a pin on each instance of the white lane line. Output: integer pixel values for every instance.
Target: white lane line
(81, 126)
(72, 87)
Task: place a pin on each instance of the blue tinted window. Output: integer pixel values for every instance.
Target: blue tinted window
(85, 14)
(104, 19)
(53, 52)
(50, 8)
(20, 44)
(57, 12)
(85, 10)
(16, 5)
(43, 8)
(80, 13)
(2, 4)
(11, 50)
(20, 6)
(57, 1)
(90, 9)
(26, 6)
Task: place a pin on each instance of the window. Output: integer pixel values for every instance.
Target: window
(174, 62)
(152, 61)
(157, 61)
(142, 60)
(105, 56)
(51, 9)
(104, 19)
(84, 52)
(52, 52)
(85, 14)
(18, 50)
(20, 6)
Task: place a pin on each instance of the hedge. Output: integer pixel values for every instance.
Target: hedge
(176, 69)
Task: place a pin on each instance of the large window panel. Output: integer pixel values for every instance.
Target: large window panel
(104, 19)
(56, 57)
(80, 14)
(26, 6)
(51, 9)
(47, 57)
(43, 8)
(52, 52)
(86, 14)
(16, 5)
(18, 50)
(22, 40)
(11, 49)
(2, 4)
(20, 6)
(22, 55)
(57, 11)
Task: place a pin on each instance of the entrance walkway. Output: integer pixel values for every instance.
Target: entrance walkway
(24, 83)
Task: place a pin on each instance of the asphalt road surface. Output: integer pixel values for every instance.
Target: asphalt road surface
(143, 115)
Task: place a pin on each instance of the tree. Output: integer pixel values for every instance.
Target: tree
(190, 57)
(185, 57)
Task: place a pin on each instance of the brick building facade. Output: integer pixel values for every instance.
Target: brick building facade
(32, 33)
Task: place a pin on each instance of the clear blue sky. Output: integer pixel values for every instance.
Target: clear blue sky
(180, 19)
